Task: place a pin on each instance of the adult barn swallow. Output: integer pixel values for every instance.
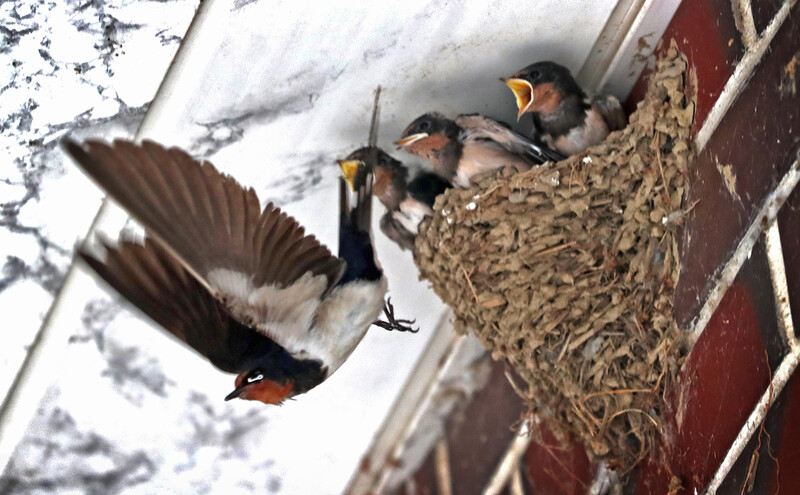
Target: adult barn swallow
(242, 286)
(407, 202)
(562, 114)
(470, 145)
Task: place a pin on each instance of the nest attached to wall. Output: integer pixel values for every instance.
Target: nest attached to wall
(568, 272)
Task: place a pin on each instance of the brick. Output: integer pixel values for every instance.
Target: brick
(480, 434)
(722, 380)
(555, 467)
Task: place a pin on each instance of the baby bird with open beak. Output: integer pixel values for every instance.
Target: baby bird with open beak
(470, 145)
(563, 116)
(407, 202)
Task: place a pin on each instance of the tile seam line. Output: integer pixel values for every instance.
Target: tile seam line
(11, 407)
(757, 416)
(741, 74)
(767, 212)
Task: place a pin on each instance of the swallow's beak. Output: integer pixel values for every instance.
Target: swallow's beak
(410, 139)
(523, 92)
(349, 170)
(236, 393)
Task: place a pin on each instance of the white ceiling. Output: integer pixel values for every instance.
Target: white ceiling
(278, 91)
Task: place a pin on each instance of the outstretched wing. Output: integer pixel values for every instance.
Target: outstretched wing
(611, 110)
(156, 283)
(477, 127)
(260, 264)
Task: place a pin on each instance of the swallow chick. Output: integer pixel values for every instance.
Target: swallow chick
(407, 202)
(563, 116)
(470, 145)
(242, 286)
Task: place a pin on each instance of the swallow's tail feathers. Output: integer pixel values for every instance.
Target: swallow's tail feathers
(158, 285)
(355, 209)
(611, 110)
(540, 151)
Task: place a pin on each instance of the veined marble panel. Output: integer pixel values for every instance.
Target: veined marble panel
(89, 68)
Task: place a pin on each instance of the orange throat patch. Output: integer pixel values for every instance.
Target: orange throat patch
(545, 98)
(429, 147)
(267, 392)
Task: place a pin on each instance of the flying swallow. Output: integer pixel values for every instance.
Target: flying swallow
(244, 287)
(241, 285)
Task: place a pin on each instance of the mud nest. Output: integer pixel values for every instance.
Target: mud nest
(568, 272)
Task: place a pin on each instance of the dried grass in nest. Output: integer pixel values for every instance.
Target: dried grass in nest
(568, 272)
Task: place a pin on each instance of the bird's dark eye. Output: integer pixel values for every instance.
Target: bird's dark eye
(424, 126)
(255, 377)
(534, 75)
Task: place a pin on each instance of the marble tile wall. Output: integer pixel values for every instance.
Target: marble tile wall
(87, 68)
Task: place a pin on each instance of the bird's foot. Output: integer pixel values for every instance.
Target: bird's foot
(393, 323)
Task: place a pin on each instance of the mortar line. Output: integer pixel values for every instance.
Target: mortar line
(740, 76)
(780, 287)
(743, 17)
(757, 416)
(766, 215)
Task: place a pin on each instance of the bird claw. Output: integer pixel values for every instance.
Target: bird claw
(393, 323)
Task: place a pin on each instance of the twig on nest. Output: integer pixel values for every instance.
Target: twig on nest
(637, 411)
(394, 323)
(512, 382)
(555, 249)
(615, 392)
(469, 281)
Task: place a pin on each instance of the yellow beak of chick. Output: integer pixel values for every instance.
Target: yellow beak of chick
(523, 92)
